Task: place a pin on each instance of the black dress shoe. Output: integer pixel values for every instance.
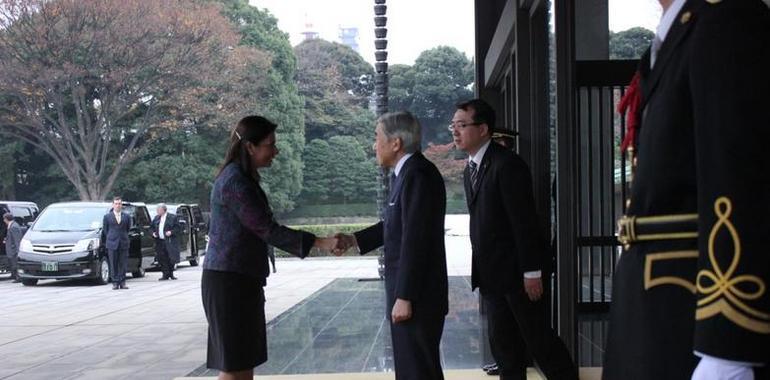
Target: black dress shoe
(115, 286)
(123, 286)
(172, 277)
(488, 366)
(493, 371)
(163, 279)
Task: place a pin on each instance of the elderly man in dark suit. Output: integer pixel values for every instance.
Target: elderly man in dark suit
(12, 242)
(415, 258)
(115, 226)
(165, 229)
(509, 253)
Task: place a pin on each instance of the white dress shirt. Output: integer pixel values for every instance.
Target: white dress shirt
(117, 216)
(400, 163)
(665, 25)
(477, 158)
(162, 225)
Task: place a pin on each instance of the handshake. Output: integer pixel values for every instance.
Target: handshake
(337, 244)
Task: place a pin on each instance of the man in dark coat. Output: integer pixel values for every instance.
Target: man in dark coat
(509, 253)
(165, 230)
(14, 233)
(415, 259)
(690, 289)
(115, 226)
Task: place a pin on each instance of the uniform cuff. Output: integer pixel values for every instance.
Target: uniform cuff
(533, 274)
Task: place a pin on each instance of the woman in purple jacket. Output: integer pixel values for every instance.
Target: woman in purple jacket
(236, 266)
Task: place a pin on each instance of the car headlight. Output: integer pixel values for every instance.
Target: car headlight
(86, 245)
(25, 246)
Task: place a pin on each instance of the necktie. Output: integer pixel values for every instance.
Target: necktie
(391, 181)
(474, 174)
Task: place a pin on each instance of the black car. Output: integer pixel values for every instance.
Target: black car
(192, 243)
(65, 242)
(24, 213)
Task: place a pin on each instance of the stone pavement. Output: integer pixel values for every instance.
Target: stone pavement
(154, 330)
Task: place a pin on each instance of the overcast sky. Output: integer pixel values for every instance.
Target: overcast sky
(416, 25)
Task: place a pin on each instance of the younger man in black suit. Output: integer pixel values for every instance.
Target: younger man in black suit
(415, 258)
(115, 226)
(508, 250)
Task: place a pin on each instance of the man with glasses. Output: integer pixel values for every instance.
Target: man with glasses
(509, 253)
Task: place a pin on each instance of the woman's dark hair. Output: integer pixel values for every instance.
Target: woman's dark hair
(253, 129)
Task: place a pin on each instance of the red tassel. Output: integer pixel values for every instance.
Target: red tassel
(629, 105)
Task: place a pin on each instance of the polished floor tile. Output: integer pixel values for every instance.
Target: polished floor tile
(342, 328)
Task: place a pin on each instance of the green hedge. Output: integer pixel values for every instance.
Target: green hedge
(322, 230)
(335, 210)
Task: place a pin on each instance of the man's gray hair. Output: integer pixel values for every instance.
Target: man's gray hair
(402, 125)
(163, 206)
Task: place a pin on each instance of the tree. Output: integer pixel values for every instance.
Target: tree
(631, 43)
(401, 87)
(336, 83)
(349, 72)
(316, 189)
(450, 167)
(338, 171)
(440, 78)
(177, 168)
(279, 100)
(90, 82)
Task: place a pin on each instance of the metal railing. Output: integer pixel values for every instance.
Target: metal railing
(603, 176)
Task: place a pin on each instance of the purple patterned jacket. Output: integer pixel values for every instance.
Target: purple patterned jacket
(242, 225)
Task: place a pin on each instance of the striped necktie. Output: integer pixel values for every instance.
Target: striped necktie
(474, 174)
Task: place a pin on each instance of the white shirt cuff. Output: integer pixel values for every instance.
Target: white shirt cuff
(533, 274)
(727, 361)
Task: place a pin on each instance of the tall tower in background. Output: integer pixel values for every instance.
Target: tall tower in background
(310, 33)
(349, 37)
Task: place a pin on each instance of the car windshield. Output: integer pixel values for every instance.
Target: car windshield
(70, 219)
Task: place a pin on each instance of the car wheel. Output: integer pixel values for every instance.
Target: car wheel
(103, 276)
(29, 281)
(139, 273)
(194, 261)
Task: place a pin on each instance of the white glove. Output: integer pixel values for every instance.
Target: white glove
(711, 368)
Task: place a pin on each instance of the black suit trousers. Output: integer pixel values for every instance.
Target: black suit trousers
(13, 266)
(518, 326)
(163, 259)
(118, 260)
(416, 348)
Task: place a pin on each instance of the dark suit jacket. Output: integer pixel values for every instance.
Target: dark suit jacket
(116, 235)
(413, 234)
(505, 237)
(171, 242)
(242, 225)
(703, 146)
(13, 239)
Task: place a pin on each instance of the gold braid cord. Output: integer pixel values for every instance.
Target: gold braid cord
(721, 289)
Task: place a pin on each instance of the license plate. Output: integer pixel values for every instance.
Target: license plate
(50, 266)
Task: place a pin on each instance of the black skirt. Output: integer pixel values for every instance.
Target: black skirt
(235, 309)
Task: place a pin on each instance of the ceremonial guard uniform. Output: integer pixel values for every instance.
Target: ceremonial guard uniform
(693, 278)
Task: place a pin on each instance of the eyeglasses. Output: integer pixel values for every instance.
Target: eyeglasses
(460, 125)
